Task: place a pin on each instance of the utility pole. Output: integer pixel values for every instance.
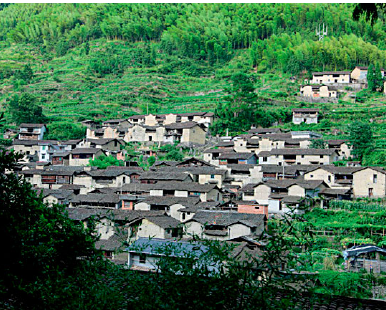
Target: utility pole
(321, 33)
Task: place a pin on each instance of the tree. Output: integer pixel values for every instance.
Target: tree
(24, 109)
(361, 138)
(51, 261)
(151, 160)
(378, 80)
(65, 131)
(318, 144)
(103, 161)
(371, 80)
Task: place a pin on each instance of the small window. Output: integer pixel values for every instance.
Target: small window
(375, 178)
(329, 179)
(264, 158)
(150, 138)
(142, 258)
(302, 156)
(212, 176)
(183, 215)
(321, 156)
(124, 180)
(311, 176)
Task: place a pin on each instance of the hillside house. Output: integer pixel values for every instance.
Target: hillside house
(237, 158)
(319, 91)
(224, 225)
(308, 116)
(188, 133)
(341, 177)
(342, 146)
(32, 131)
(285, 157)
(145, 254)
(331, 77)
(162, 227)
(170, 205)
(369, 182)
(82, 156)
(359, 74)
(206, 192)
(151, 177)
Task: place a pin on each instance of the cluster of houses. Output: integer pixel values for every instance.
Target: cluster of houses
(227, 194)
(187, 128)
(326, 84)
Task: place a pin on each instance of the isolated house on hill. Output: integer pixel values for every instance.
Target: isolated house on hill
(331, 77)
(32, 131)
(359, 74)
(369, 182)
(318, 91)
(308, 116)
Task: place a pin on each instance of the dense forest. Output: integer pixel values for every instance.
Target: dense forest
(100, 61)
(277, 34)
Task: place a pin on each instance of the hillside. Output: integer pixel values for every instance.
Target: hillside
(101, 61)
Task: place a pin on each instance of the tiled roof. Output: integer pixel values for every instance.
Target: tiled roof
(164, 221)
(183, 186)
(162, 176)
(168, 201)
(298, 152)
(26, 125)
(234, 155)
(86, 150)
(226, 218)
(181, 125)
(305, 110)
(264, 130)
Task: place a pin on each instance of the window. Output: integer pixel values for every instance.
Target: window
(302, 156)
(329, 179)
(43, 147)
(370, 192)
(124, 180)
(142, 258)
(183, 215)
(212, 176)
(375, 178)
(264, 158)
(311, 176)
(321, 156)
(150, 138)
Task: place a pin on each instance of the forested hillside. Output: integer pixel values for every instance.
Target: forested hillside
(100, 61)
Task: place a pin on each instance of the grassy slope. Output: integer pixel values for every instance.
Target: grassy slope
(70, 92)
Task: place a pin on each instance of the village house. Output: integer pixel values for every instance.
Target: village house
(308, 116)
(359, 74)
(341, 177)
(237, 158)
(189, 133)
(32, 131)
(55, 196)
(224, 225)
(342, 146)
(319, 91)
(272, 193)
(109, 145)
(156, 176)
(206, 192)
(331, 77)
(369, 182)
(29, 148)
(94, 200)
(171, 205)
(212, 155)
(82, 156)
(285, 157)
(51, 177)
(163, 227)
(145, 254)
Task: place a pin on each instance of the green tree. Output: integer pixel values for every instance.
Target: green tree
(151, 160)
(24, 109)
(378, 80)
(371, 79)
(103, 161)
(361, 138)
(318, 144)
(51, 261)
(65, 131)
